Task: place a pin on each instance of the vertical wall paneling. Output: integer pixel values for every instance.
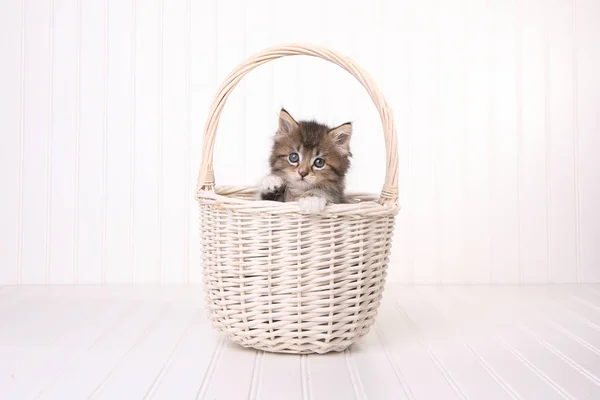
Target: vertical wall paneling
(231, 137)
(519, 125)
(368, 144)
(35, 141)
(575, 135)
(160, 142)
(260, 112)
(424, 136)
(562, 214)
(21, 166)
(203, 81)
(147, 107)
(173, 142)
(309, 79)
(132, 135)
(491, 128)
(346, 99)
(476, 149)
(396, 82)
(437, 170)
(187, 190)
(452, 70)
(11, 40)
(285, 70)
(103, 106)
(49, 143)
(104, 138)
(504, 222)
(340, 92)
(64, 151)
(587, 56)
(91, 142)
(77, 170)
(533, 193)
(119, 146)
(547, 139)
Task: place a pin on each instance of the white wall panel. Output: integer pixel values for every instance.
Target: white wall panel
(562, 207)
(423, 50)
(476, 150)
(587, 134)
(532, 97)
(174, 139)
(504, 139)
(260, 110)
(147, 175)
(64, 141)
(37, 139)
(119, 141)
(93, 135)
(103, 104)
(230, 147)
(12, 25)
(203, 85)
(450, 142)
(396, 80)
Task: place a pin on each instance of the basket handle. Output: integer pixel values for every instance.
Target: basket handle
(206, 179)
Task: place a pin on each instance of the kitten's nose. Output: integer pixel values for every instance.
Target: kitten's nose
(302, 172)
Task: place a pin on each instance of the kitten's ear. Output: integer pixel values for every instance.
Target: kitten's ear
(341, 136)
(286, 123)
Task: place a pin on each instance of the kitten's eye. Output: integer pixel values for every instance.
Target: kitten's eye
(319, 163)
(294, 157)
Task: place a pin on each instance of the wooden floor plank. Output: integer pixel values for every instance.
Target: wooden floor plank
(278, 376)
(378, 376)
(82, 377)
(327, 376)
(479, 334)
(132, 377)
(411, 356)
(182, 376)
(464, 342)
(471, 377)
(232, 375)
(37, 363)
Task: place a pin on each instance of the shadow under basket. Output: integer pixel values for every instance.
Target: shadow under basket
(277, 280)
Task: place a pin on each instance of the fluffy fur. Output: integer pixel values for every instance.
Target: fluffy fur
(309, 162)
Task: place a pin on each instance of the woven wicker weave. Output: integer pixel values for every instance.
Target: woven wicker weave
(280, 281)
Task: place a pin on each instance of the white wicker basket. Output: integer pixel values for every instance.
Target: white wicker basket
(279, 281)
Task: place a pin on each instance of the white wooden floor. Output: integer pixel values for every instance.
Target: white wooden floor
(465, 342)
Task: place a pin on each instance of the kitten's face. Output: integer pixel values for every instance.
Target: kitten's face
(309, 154)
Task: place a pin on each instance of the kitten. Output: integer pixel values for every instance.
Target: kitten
(309, 162)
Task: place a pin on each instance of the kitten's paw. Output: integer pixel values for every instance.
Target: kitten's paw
(270, 184)
(311, 205)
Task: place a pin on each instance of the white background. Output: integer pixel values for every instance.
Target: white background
(102, 105)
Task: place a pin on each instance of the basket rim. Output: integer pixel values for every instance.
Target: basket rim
(228, 197)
